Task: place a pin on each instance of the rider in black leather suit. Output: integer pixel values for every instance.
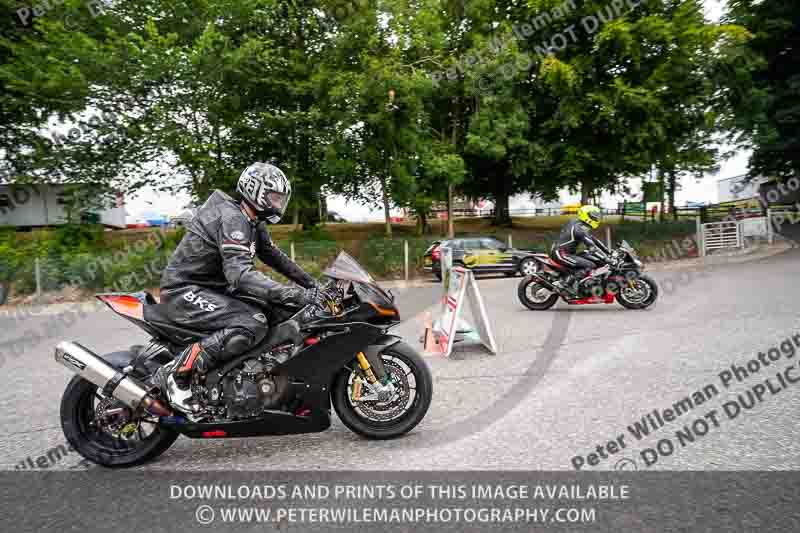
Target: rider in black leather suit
(574, 233)
(214, 263)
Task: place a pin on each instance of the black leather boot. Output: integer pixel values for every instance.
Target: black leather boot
(175, 378)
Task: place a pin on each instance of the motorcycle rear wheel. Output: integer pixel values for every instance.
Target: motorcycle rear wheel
(527, 292)
(397, 359)
(78, 408)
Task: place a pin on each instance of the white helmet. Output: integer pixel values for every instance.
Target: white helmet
(266, 189)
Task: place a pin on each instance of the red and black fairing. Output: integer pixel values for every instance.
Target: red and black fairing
(609, 280)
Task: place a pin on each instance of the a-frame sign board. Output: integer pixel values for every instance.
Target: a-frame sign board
(460, 284)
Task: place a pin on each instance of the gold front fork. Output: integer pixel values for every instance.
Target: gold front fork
(357, 383)
(364, 364)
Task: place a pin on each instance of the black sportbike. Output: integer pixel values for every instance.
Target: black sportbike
(312, 358)
(620, 279)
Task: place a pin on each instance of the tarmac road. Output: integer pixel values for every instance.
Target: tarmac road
(564, 382)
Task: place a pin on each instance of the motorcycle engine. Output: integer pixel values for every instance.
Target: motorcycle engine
(249, 391)
(590, 287)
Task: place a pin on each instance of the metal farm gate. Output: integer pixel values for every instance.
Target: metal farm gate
(719, 235)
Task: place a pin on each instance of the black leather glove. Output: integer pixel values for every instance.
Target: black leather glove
(319, 301)
(314, 296)
(302, 297)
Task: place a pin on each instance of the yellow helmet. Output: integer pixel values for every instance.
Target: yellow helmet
(590, 215)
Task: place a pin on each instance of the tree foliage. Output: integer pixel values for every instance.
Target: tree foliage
(764, 77)
(388, 102)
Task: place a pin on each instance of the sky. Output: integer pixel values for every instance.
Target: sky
(148, 203)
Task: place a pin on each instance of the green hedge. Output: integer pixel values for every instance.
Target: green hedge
(82, 257)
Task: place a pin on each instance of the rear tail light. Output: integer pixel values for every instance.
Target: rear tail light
(436, 253)
(124, 304)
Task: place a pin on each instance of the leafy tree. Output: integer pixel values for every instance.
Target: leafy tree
(689, 91)
(64, 66)
(392, 102)
(617, 90)
(386, 152)
(765, 92)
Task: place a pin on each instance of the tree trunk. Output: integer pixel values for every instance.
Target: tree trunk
(586, 192)
(501, 195)
(422, 223)
(386, 212)
(323, 208)
(451, 230)
(661, 195)
(671, 186)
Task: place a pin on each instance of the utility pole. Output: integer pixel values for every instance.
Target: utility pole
(450, 227)
(390, 154)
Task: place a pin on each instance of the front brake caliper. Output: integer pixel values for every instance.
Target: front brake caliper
(357, 386)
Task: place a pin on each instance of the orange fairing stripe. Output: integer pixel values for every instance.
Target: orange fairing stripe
(125, 305)
(192, 356)
(382, 311)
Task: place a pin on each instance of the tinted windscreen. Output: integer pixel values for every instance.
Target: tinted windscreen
(347, 268)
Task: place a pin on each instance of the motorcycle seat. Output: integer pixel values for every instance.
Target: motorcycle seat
(155, 316)
(144, 296)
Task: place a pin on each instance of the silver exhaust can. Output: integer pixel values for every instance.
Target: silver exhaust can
(94, 369)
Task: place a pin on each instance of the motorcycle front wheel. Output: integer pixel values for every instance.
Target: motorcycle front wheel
(534, 295)
(400, 410)
(641, 295)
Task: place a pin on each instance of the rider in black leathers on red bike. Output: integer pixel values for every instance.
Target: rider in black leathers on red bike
(574, 233)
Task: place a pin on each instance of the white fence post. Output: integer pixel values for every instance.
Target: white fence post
(770, 236)
(740, 234)
(701, 248)
(38, 268)
(291, 250)
(608, 236)
(510, 241)
(405, 253)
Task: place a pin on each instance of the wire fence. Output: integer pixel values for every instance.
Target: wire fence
(119, 264)
(47, 270)
(627, 211)
(384, 258)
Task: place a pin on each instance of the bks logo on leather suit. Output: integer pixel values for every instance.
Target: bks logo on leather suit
(199, 301)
